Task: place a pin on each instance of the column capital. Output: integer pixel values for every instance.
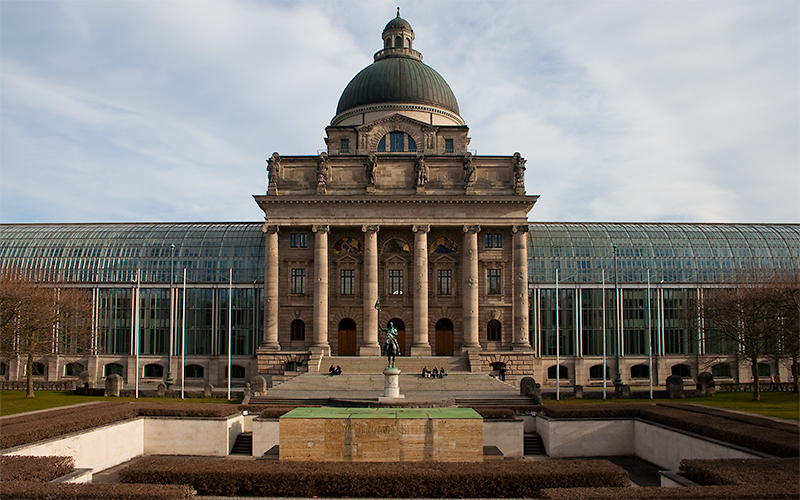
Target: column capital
(518, 228)
(269, 228)
(421, 228)
(471, 229)
(321, 228)
(370, 228)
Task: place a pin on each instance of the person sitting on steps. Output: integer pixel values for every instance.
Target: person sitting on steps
(331, 371)
(338, 370)
(441, 372)
(435, 373)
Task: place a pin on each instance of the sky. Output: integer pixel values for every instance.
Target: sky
(626, 110)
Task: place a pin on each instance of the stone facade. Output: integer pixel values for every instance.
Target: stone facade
(397, 210)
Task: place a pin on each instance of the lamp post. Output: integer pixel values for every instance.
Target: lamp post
(617, 376)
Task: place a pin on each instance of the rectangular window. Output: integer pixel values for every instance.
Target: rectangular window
(448, 146)
(298, 281)
(298, 240)
(493, 241)
(493, 278)
(444, 281)
(396, 281)
(348, 281)
(344, 146)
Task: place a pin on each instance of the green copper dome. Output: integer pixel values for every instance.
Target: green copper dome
(398, 79)
(398, 23)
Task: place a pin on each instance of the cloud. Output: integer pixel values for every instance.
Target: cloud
(165, 111)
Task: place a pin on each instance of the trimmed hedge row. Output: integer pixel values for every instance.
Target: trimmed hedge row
(742, 471)
(38, 426)
(521, 479)
(30, 489)
(37, 469)
(490, 413)
(753, 492)
(726, 426)
(29, 428)
(754, 437)
(747, 418)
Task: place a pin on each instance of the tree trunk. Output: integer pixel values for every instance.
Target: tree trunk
(29, 377)
(756, 388)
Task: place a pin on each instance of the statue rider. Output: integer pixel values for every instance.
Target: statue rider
(392, 347)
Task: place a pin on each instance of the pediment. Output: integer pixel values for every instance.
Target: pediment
(395, 121)
(442, 259)
(395, 259)
(347, 259)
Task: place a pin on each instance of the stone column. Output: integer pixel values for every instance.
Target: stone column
(370, 345)
(420, 345)
(521, 340)
(320, 288)
(271, 293)
(470, 290)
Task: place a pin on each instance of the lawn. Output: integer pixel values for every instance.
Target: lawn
(12, 402)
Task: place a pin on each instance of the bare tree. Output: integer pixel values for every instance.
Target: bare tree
(788, 326)
(39, 319)
(748, 318)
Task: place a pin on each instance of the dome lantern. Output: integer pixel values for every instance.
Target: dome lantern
(398, 34)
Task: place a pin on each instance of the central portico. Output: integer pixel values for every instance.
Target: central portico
(398, 209)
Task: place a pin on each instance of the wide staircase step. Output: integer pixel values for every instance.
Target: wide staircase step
(505, 401)
(243, 444)
(533, 444)
(407, 364)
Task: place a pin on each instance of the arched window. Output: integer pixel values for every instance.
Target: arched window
(237, 371)
(397, 142)
(298, 329)
(37, 369)
(641, 371)
(387, 43)
(721, 370)
(596, 372)
(408, 43)
(73, 369)
(194, 371)
(398, 41)
(493, 330)
(682, 371)
(112, 369)
(563, 373)
(153, 370)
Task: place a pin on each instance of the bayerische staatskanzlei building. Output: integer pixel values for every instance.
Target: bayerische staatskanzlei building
(397, 212)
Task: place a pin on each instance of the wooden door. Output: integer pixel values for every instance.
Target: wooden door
(347, 338)
(444, 337)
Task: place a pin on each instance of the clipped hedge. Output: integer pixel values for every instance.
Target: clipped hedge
(595, 411)
(754, 437)
(37, 469)
(29, 428)
(753, 492)
(490, 413)
(520, 479)
(30, 489)
(742, 471)
(193, 410)
(747, 418)
(275, 411)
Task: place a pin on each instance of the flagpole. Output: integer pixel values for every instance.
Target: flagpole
(183, 338)
(649, 337)
(136, 327)
(558, 346)
(230, 323)
(605, 365)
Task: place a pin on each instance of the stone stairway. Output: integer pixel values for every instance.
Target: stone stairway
(533, 444)
(408, 365)
(243, 444)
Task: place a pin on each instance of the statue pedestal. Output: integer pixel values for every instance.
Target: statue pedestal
(391, 386)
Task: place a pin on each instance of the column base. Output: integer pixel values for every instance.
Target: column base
(522, 347)
(323, 349)
(421, 350)
(270, 346)
(369, 350)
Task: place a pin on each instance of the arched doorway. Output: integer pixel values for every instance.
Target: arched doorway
(347, 337)
(444, 337)
(401, 334)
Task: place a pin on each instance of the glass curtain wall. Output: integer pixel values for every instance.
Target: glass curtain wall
(199, 321)
(566, 321)
(154, 312)
(244, 320)
(592, 321)
(115, 320)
